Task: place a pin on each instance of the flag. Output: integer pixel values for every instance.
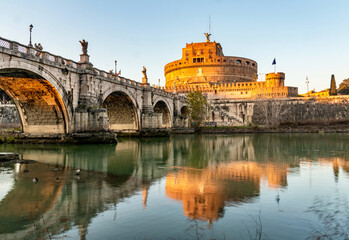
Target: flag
(274, 62)
(119, 73)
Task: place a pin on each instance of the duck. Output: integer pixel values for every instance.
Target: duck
(77, 172)
(277, 198)
(35, 180)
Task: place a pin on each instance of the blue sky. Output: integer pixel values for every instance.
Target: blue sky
(308, 37)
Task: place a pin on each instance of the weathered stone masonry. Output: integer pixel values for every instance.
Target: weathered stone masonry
(239, 112)
(55, 95)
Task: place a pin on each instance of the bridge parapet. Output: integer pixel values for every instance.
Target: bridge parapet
(16, 47)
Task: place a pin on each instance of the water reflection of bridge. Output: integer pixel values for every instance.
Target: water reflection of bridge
(205, 173)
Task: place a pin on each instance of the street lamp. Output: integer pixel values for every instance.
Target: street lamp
(116, 62)
(30, 38)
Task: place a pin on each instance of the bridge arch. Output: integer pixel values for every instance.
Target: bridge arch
(40, 98)
(122, 110)
(184, 111)
(161, 106)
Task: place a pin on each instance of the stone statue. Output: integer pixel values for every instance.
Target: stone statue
(84, 46)
(207, 36)
(144, 71)
(38, 46)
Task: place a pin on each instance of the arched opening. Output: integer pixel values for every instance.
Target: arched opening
(184, 111)
(161, 107)
(40, 106)
(122, 114)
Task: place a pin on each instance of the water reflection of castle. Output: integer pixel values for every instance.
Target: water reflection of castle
(204, 173)
(205, 192)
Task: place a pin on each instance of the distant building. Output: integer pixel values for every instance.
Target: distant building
(204, 67)
(312, 93)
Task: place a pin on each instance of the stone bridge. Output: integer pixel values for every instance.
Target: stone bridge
(55, 95)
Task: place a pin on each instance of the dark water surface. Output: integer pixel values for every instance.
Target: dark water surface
(277, 186)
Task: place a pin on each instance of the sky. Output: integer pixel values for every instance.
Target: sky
(307, 37)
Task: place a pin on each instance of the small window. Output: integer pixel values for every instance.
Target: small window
(224, 60)
(247, 63)
(186, 52)
(253, 64)
(218, 60)
(238, 61)
(202, 51)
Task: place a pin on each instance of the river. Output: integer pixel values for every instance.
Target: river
(254, 186)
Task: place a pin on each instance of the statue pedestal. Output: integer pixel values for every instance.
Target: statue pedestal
(144, 81)
(85, 62)
(84, 58)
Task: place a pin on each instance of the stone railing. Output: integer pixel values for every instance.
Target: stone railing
(17, 47)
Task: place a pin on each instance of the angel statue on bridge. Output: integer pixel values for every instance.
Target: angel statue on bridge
(84, 46)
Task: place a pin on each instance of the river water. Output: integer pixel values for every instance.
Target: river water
(262, 186)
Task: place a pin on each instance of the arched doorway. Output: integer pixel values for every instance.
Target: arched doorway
(161, 107)
(122, 114)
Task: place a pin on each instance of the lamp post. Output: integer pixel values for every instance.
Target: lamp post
(116, 62)
(30, 35)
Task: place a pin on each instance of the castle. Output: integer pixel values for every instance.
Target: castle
(203, 67)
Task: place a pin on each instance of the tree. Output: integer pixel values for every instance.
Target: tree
(198, 107)
(344, 87)
(333, 90)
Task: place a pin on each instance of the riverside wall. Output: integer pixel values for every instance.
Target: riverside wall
(248, 112)
(9, 117)
(301, 110)
(265, 111)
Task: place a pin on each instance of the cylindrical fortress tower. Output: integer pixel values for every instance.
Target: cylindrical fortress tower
(203, 66)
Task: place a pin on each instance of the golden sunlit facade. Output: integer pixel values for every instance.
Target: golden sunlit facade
(312, 93)
(203, 67)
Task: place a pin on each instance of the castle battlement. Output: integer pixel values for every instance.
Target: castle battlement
(203, 67)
